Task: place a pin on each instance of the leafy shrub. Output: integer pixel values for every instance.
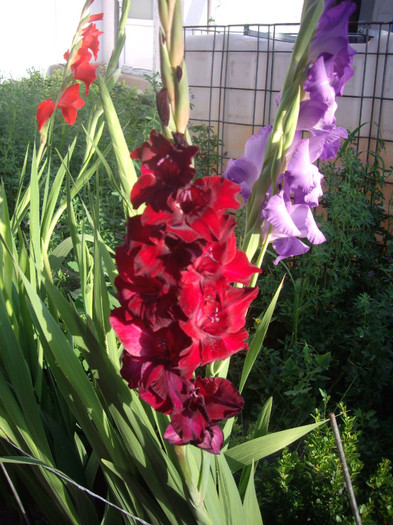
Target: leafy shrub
(307, 486)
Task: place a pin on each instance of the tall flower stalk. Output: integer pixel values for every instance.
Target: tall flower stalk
(84, 46)
(278, 178)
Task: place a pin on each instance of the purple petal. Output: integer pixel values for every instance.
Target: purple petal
(276, 213)
(310, 114)
(311, 198)
(340, 69)
(332, 31)
(301, 174)
(318, 82)
(244, 172)
(289, 247)
(332, 142)
(255, 147)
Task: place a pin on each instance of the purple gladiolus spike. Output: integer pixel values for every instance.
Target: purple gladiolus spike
(286, 213)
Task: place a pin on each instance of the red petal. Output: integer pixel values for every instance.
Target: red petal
(90, 38)
(222, 400)
(94, 18)
(86, 73)
(44, 112)
(70, 102)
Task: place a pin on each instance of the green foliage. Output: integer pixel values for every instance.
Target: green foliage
(66, 415)
(208, 143)
(332, 332)
(307, 485)
(379, 508)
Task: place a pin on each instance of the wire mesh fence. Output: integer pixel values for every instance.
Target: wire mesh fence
(235, 75)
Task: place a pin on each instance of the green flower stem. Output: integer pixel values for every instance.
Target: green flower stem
(261, 255)
(284, 126)
(202, 517)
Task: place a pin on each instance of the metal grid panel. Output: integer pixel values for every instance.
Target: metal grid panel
(236, 72)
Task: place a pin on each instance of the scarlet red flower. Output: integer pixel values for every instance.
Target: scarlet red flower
(94, 18)
(86, 73)
(70, 102)
(156, 362)
(215, 315)
(198, 211)
(90, 36)
(222, 258)
(44, 112)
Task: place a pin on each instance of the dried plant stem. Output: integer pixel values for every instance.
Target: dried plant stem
(15, 494)
(344, 464)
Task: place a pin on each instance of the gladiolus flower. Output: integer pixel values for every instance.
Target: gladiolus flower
(208, 401)
(95, 18)
(70, 102)
(82, 68)
(90, 36)
(179, 309)
(287, 205)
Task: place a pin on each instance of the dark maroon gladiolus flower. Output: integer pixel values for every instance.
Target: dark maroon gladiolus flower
(207, 402)
(179, 307)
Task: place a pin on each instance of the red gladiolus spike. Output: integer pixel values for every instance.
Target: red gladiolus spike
(70, 102)
(44, 112)
(178, 309)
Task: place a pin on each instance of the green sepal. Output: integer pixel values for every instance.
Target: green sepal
(176, 51)
(167, 72)
(182, 109)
